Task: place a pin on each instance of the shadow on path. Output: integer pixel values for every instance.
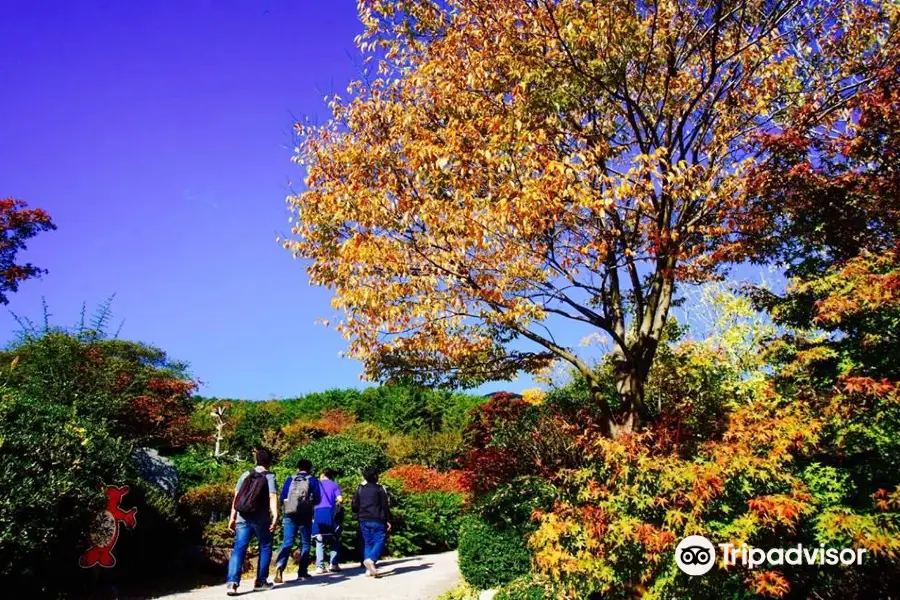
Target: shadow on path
(402, 570)
(386, 569)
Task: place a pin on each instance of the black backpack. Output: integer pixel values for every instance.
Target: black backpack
(253, 497)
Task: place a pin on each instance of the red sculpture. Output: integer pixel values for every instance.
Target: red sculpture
(105, 532)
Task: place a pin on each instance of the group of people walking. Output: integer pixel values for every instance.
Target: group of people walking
(312, 509)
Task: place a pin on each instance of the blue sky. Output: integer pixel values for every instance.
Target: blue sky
(158, 137)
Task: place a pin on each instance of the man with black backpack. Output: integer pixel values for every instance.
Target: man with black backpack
(299, 496)
(254, 512)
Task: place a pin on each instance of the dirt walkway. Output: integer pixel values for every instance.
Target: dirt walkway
(413, 578)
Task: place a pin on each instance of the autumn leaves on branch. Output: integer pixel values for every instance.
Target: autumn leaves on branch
(17, 225)
(510, 165)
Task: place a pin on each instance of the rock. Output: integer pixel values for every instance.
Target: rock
(487, 595)
(157, 469)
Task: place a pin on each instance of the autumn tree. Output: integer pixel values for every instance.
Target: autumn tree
(17, 225)
(837, 228)
(838, 232)
(515, 164)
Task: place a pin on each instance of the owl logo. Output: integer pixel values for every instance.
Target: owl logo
(105, 530)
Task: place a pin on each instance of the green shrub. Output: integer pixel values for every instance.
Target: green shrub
(439, 450)
(158, 543)
(528, 587)
(196, 467)
(136, 390)
(490, 556)
(217, 535)
(208, 503)
(463, 591)
(53, 467)
(73, 407)
(341, 453)
(249, 423)
(423, 523)
(511, 504)
(367, 432)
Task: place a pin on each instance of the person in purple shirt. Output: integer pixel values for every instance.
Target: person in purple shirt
(326, 526)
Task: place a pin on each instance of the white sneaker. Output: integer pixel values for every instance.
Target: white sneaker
(371, 571)
(319, 571)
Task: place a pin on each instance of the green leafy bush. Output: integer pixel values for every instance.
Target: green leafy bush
(463, 591)
(208, 503)
(137, 390)
(53, 467)
(440, 450)
(528, 587)
(197, 467)
(159, 542)
(74, 407)
(368, 432)
(249, 423)
(423, 523)
(490, 556)
(217, 535)
(341, 453)
(512, 504)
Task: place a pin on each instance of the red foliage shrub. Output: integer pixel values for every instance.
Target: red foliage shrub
(418, 478)
(509, 437)
(162, 415)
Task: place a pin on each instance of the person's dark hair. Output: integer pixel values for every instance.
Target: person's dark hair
(370, 474)
(304, 464)
(329, 473)
(263, 457)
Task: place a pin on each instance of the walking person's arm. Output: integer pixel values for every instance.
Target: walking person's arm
(387, 509)
(273, 508)
(354, 504)
(232, 519)
(273, 500)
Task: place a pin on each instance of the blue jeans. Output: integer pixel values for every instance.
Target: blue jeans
(373, 534)
(292, 527)
(333, 540)
(244, 531)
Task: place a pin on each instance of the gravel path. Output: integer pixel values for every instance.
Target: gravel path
(412, 578)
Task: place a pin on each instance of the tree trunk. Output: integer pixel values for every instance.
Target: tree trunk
(631, 379)
(607, 424)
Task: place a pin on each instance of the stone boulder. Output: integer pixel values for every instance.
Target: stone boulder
(157, 469)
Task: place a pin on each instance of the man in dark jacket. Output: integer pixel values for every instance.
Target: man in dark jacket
(370, 505)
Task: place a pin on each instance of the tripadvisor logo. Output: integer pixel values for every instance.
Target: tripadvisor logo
(695, 555)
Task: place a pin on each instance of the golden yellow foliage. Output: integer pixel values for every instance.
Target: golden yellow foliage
(509, 161)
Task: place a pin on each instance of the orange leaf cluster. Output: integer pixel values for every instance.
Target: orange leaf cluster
(781, 509)
(418, 478)
(769, 584)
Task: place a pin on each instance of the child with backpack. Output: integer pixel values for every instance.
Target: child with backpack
(254, 512)
(299, 497)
